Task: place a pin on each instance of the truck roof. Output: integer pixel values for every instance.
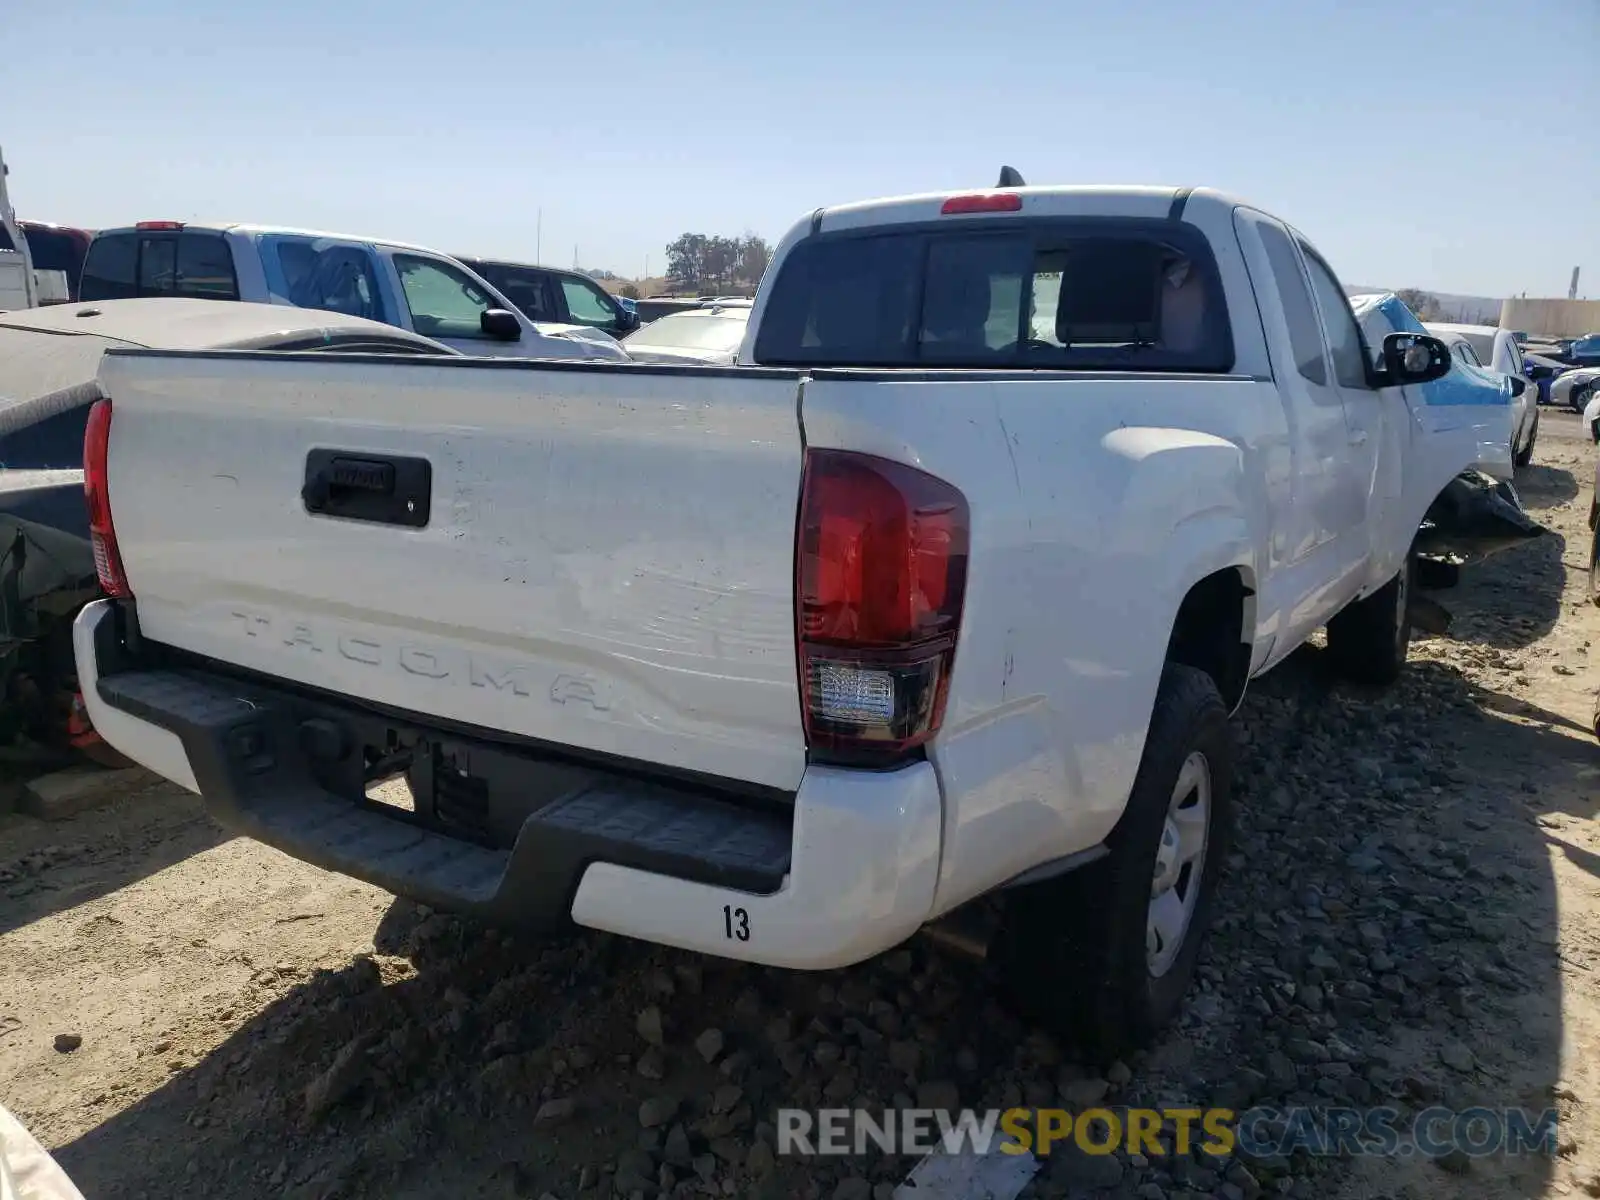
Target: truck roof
(1130, 200)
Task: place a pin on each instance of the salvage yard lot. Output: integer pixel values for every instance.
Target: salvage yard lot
(1411, 915)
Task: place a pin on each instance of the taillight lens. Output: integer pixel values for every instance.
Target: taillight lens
(102, 535)
(882, 571)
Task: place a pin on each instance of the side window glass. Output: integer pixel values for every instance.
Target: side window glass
(584, 304)
(158, 266)
(205, 267)
(1305, 339)
(1468, 354)
(444, 302)
(1375, 326)
(528, 290)
(108, 271)
(1344, 335)
(333, 276)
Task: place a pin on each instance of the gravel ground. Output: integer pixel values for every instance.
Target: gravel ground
(1411, 916)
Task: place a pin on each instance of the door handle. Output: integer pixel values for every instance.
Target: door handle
(381, 488)
(1358, 438)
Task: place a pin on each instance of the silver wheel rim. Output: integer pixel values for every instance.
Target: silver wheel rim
(1180, 865)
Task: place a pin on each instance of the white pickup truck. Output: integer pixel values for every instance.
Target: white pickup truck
(945, 591)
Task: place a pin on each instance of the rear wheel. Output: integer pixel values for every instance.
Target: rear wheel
(1370, 639)
(1105, 955)
(1525, 456)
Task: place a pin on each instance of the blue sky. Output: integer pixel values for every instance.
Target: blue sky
(1453, 146)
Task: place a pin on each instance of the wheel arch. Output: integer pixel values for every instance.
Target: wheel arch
(1213, 629)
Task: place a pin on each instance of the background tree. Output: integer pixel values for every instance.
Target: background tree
(754, 255)
(1425, 304)
(686, 261)
(698, 262)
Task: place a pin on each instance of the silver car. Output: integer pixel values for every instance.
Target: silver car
(707, 336)
(1575, 388)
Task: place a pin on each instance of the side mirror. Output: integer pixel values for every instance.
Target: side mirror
(627, 321)
(1413, 358)
(500, 325)
(1518, 385)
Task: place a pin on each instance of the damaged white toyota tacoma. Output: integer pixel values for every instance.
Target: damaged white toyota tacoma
(946, 591)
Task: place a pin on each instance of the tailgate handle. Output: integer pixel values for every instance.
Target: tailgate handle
(380, 488)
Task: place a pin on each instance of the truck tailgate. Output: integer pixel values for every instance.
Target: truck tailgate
(598, 557)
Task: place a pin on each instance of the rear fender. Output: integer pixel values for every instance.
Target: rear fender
(1186, 512)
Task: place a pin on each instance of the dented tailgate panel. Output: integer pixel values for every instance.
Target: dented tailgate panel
(607, 560)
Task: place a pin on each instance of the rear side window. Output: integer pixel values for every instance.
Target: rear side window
(1305, 338)
(337, 277)
(530, 290)
(109, 268)
(1064, 295)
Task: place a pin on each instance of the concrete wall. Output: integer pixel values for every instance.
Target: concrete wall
(1557, 318)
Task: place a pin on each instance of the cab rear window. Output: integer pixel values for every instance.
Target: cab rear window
(1101, 294)
(121, 266)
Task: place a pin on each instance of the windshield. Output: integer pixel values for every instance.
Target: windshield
(720, 331)
(1101, 293)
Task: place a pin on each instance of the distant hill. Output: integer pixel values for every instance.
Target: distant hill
(1463, 310)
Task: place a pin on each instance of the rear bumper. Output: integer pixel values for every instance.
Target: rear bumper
(846, 872)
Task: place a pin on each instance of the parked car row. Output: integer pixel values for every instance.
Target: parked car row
(410, 287)
(477, 306)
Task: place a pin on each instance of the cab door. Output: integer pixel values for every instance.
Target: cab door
(1374, 429)
(1312, 562)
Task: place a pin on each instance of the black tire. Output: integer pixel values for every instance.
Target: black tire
(1525, 456)
(1072, 951)
(1370, 639)
(1579, 399)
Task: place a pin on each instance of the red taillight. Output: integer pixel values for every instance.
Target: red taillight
(881, 574)
(988, 202)
(154, 226)
(102, 535)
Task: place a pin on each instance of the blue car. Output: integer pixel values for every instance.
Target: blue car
(1471, 401)
(1585, 351)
